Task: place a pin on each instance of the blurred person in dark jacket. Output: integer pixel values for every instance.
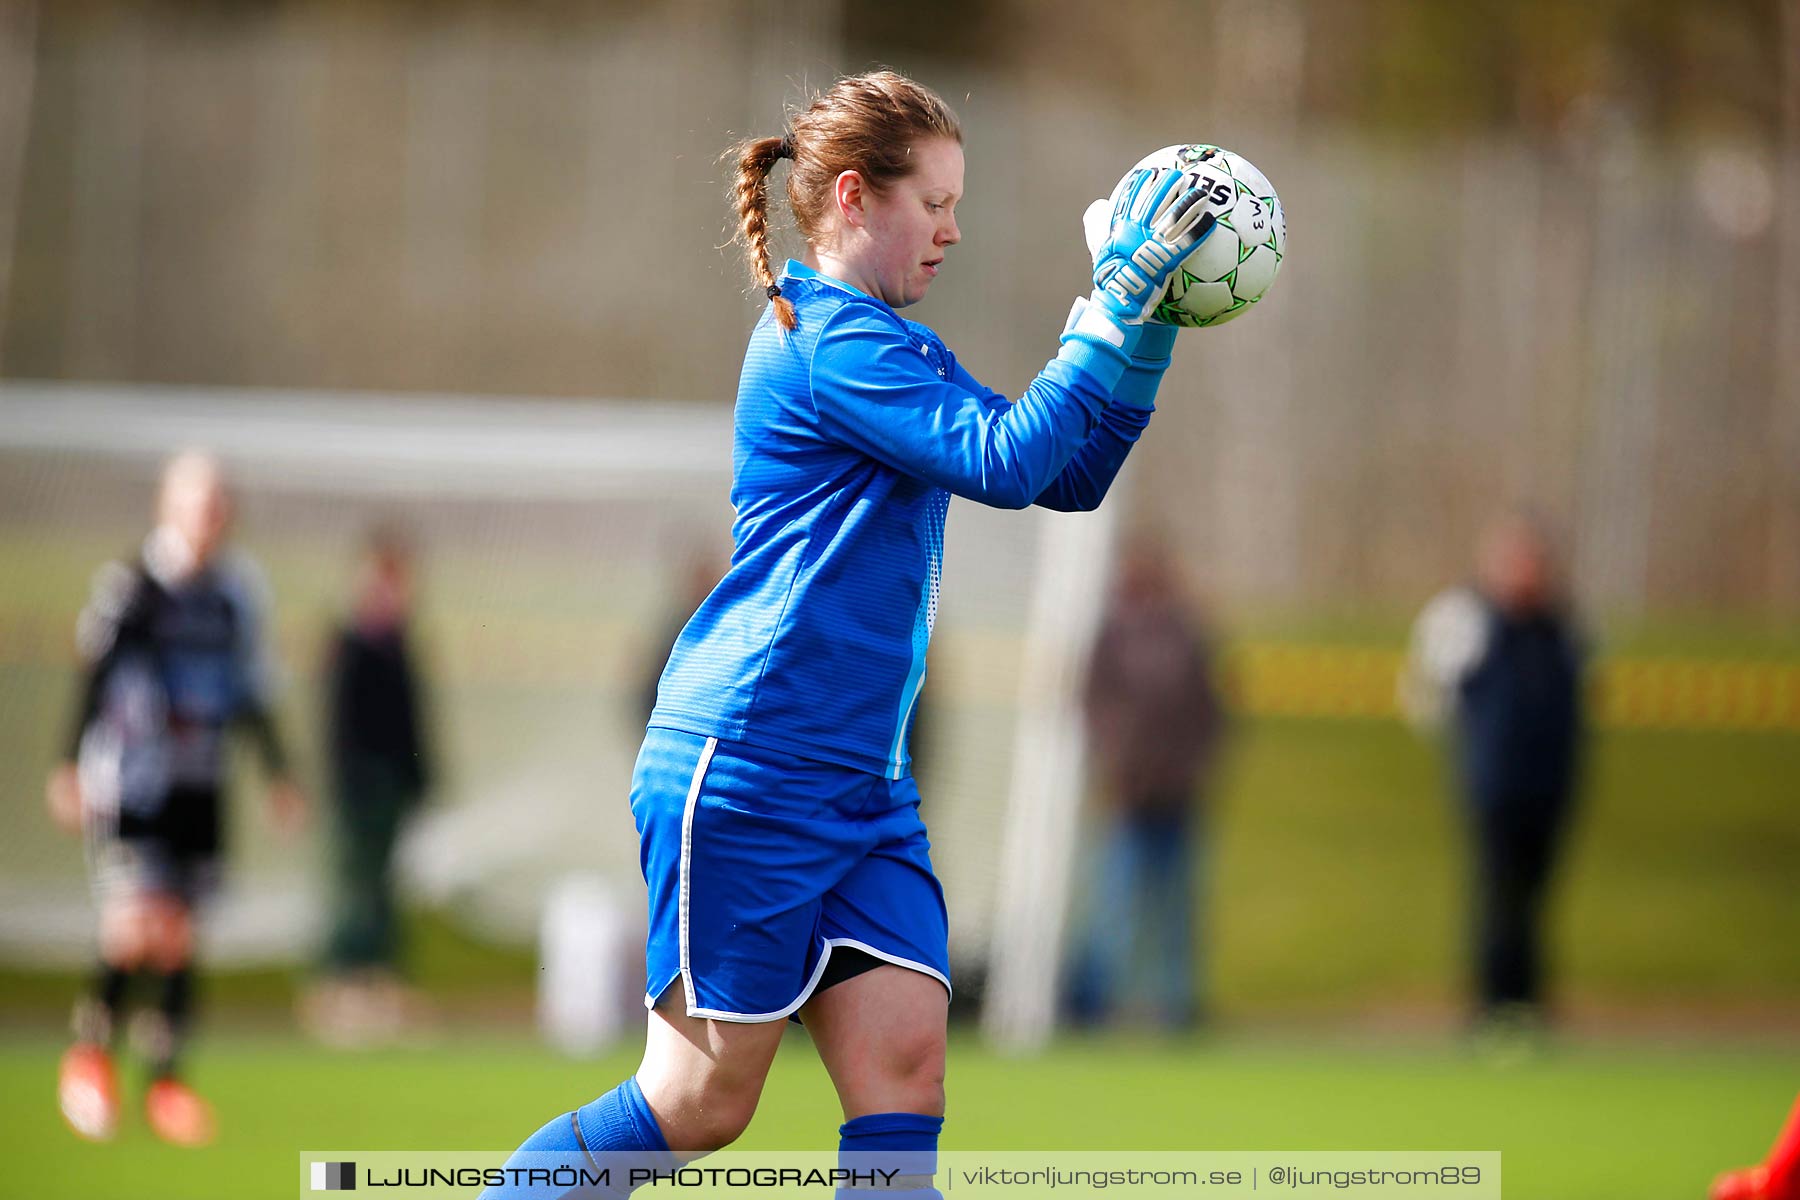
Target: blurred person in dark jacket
(1501, 664)
(1154, 722)
(380, 772)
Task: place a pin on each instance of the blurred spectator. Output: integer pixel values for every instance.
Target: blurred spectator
(1154, 722)
(380, 772)
(173, 648)
(1500, 661)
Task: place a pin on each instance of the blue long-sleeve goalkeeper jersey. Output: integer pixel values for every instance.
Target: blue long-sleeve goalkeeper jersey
(852, 433)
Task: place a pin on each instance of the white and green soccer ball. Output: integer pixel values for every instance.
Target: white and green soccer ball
(1233, 268)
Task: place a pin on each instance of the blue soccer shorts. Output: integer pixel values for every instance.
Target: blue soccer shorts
(760, 863)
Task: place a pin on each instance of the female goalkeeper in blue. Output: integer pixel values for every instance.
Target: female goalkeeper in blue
(787, 865)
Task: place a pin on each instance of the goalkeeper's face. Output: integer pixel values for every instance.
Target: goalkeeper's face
(910, 224)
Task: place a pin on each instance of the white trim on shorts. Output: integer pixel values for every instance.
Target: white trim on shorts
(885, 957)
(683, 876)
(685, 971)
(806, 993)
(715, 1014)
(780, 1014)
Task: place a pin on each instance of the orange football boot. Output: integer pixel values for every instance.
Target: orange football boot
(87, 1091)
(178, 1115)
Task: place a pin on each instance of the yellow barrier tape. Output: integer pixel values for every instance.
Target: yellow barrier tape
(1279, 679)
(1263, 678)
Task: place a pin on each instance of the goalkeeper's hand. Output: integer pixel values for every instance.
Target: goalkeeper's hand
(1158, 219)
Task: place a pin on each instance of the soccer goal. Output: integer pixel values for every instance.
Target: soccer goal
(560, 545)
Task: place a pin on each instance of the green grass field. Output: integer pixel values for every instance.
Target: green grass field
(1335, 917)
(1598, 1122)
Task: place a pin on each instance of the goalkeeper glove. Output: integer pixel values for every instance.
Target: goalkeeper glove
(1158, 219)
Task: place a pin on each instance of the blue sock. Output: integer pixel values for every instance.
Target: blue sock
(603, 1140)
(888, 1146)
